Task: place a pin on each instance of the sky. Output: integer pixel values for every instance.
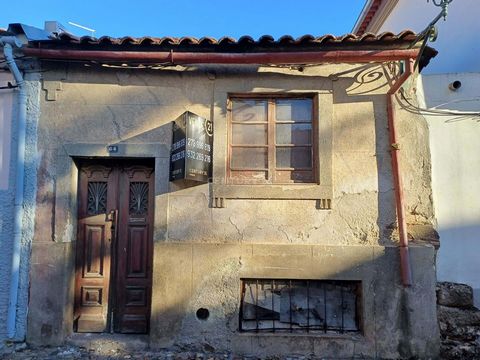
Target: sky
(198, 18)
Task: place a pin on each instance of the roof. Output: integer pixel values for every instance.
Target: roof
(366, 41)
(246, 45)
(286, 49)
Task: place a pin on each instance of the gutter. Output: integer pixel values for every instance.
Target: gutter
(8, 42)
(280, 58)
(178, 58)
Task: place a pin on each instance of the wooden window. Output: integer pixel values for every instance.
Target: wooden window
(271, 140)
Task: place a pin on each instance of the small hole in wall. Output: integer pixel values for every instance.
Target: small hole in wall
(203, 314)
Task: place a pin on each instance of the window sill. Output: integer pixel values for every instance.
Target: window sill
(321, 193)
(356, 336)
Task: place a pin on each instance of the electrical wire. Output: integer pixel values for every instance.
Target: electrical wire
(438, 111)
(17, 58)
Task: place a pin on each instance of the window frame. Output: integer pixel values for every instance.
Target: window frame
(262, 321)
(321, 192)
(271, 145)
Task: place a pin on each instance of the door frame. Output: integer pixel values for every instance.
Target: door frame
(119, 172)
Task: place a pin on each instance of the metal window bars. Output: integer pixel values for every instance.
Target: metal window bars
(287, 305)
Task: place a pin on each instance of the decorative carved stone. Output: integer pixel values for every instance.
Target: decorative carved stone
(51, 88)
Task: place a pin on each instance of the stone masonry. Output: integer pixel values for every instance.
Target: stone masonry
(459, 321)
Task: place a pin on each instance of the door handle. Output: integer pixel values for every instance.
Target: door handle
(112, 216)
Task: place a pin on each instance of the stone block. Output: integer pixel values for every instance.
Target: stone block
(454, 295)
(455, 317)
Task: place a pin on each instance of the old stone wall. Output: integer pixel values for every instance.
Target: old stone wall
(459, 321)
(200, 251)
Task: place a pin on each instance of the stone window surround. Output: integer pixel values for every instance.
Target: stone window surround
(67, 185)
(321, 191)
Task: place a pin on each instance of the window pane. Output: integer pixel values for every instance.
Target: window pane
(296, 134)
(294, 157)
(294, 110)
(249, 110)
(253, 158)
(249, 134)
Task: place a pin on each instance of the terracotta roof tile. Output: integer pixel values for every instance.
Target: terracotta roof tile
(146, 43)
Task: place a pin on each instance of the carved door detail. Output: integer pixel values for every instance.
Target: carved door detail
(113, 277)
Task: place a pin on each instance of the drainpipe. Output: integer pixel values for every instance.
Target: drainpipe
(8, 42)
(405, 268)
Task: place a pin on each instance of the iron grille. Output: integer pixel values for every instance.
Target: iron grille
(273, 305)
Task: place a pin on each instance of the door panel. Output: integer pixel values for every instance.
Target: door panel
(114, 248)
(134, 279)
(97, 188)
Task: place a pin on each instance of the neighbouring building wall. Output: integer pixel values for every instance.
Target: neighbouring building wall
(8, 168)
(201, 252)
(455, 174)
(7, 190)
(457, 42)
(6, 115)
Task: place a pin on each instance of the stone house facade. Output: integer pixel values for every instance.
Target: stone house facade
(292, 246)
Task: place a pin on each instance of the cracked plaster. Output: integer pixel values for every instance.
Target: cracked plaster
(140, 103)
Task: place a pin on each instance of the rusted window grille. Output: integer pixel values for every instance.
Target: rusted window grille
(272, 305)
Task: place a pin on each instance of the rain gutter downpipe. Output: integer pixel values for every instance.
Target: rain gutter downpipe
(8, 42)
(405, 267)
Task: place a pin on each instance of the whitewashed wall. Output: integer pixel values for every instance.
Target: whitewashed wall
(457, 42)
(455, 149)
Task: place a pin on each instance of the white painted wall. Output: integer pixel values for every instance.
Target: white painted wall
(6, 101)
(455, 150)
(457, 42)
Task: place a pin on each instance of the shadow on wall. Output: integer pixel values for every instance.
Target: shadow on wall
(179, 288)
(395, 322)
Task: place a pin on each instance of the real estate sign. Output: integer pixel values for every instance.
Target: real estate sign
(192, 148)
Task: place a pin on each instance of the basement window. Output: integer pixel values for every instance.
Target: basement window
(317, 306)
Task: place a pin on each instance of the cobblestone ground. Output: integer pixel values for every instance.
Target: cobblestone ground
(24, 352)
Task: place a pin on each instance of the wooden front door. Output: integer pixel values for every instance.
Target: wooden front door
(113, 277)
